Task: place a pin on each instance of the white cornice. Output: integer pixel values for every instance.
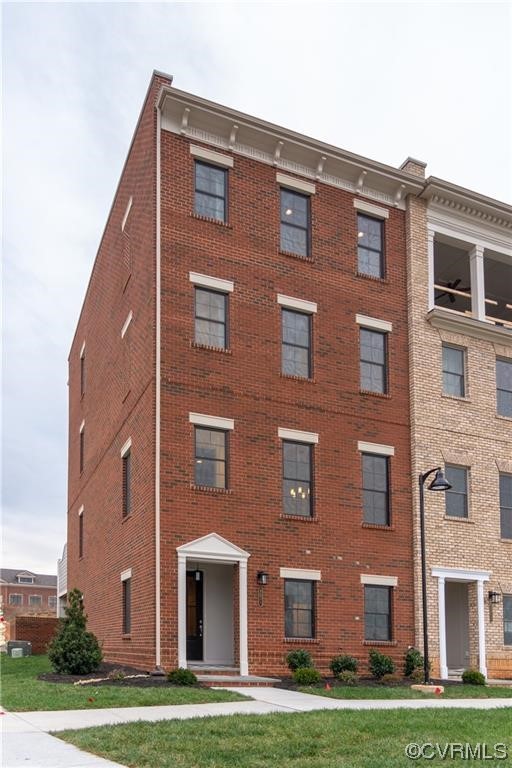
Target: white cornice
(468, 326)
(229, 130)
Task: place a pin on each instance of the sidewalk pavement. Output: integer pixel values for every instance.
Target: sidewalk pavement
(26, 741)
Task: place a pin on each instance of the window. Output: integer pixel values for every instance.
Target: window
(370, 257)
(297, 479)
(127, 607)
(52, 601)
(375, 489)
(127, 482)
(210, 318)
(504, 387)
(457, 496)
(299, 610)
(506, 506)
(373, 361)
(296, 344)
(81, 532)
(25, 579)
(35, 600)
(377, 612)
(82, 372)
(15, 599)
(507, 619)
(453, 371)
(210, 457)
(295, 234)
(210, 191)
(82, 447)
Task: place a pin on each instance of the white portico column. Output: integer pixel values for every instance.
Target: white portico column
(442, 628)
(431, 269)
(481, 626)
(182, 610)
(476, 265)
(242, 590)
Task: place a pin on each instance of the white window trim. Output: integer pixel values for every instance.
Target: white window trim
(126, 447)
(126, 214)
(82, 426)
(301, 304)
(39, 597)
(126, 324)
(125, 575)
(373, 210)
(217, 422)
(297, 435)
(227, 286)
(375, 323)
(211, 157)
(82, 351)
(379, 581)
(15, 594)
(297, 184)
(81, 511)
(300, 573)
(381, 450)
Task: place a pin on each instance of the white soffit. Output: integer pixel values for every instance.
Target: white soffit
(374, 323)
(217, 422)
(297, 435)
(227, 286)
(300, 573)
(382, 450)
(126, 447)
(298, 184)
(301, 304)
(211, 157)
(373, 210)
(379, 581)
(126, 324)
(126, 574)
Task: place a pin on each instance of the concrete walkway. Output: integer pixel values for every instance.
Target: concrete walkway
(26, 739)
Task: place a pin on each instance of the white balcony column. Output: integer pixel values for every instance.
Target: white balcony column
(481, 627)
(476, 264)
(431, 269)
(242, 610)
(443, 666)
(182, 610)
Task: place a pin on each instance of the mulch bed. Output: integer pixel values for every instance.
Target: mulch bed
(152, 681)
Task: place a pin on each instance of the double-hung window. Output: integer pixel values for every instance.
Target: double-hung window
(295, 222)
(375, 489)
(453, 371)
(296, 343)
(377, 612)
(126, 582)
(81, 532)
(299, 608)
(15, 599)
(210, 198)
(456, 497)
(81, 447)
(35, 601)
(370, 252)
(211, 457)
(506, 506)
(507, 619)
(127, 482)
(504, 386)
(297, 478)
(373, 360)
(211, 318)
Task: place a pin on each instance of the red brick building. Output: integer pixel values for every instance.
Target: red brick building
(239, 455)
(25, 593)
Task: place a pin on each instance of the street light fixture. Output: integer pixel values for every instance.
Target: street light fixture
(439, 483)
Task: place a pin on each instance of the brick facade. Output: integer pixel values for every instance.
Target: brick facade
(38, 630)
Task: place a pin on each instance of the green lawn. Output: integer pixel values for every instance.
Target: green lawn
(325, 739)
(403, 692)
(22, 692)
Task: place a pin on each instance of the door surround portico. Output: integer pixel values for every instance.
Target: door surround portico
(214, 549)
(462, 575)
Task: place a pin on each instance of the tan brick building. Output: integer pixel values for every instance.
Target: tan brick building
(460, 334)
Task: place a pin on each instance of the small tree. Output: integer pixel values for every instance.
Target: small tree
(73, 650)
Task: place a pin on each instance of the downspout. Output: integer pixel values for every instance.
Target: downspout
(158, 668)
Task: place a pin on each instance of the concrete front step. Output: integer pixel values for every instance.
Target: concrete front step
(220, 681)
(211, 669)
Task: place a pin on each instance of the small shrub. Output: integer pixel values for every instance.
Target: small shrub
(413, 660)
(299, 659)
(417, 675)
(73, 650)
(343, 663)
(306, 676)
(473, 677)
(380, 664)
(390, 679)
(347, 677)
(182, 676)
(116, 674)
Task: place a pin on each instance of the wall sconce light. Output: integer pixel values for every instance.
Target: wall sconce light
(494, 598)
(262, 578)
(197, 574)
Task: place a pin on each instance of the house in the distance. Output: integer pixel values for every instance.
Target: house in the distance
(25, 593)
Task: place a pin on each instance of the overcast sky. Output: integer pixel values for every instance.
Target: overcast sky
(384, 80)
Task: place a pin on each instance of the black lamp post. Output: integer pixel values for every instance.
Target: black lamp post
(439, 483)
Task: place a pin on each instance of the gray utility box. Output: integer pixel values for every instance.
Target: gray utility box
(15, 646)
